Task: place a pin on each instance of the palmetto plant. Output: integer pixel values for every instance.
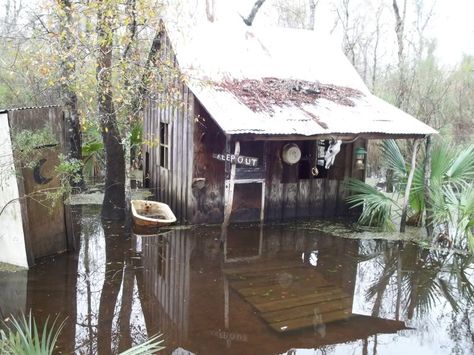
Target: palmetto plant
(93, 158)
(376, 206)
(451, 192)
(22, 337)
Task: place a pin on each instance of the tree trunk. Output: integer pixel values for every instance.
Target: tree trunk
(400, 31)
(68, 96)
(408, 187)
(113, 206)
(426, 188)
(312, 13)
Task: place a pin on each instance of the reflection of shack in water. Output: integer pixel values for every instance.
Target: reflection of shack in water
(166, 276)
(268, 282)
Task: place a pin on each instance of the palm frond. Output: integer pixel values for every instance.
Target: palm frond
(393, 157)
(442, 157)
(151, 346)
(447, 290)
(376, 206)
(461, 171)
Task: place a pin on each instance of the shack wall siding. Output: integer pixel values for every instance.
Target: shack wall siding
(171, 184)
(325, 197)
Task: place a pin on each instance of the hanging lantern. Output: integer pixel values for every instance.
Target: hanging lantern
(360, 154)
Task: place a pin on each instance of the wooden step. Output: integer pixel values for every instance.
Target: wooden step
(310, 321)
(293, 292)
(293, 283)
(291, 302)
(313, 309)
(295, 274)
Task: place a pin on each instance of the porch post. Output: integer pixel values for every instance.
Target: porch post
(229, 190)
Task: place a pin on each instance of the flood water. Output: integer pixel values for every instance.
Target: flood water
(276, 290)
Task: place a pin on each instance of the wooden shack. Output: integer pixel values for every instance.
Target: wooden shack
(241, 120)
(31, 227)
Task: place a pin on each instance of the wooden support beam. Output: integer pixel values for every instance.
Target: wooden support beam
(262, 205)
(229, 190)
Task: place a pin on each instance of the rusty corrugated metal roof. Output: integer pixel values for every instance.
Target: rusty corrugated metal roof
(211, 54)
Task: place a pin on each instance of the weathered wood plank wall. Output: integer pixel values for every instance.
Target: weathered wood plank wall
(45, 227)
(324, 197)
(173, 105)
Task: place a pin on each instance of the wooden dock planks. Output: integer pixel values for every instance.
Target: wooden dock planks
(289, 295)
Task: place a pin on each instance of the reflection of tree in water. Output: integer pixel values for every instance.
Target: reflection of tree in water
(110, 318)
(114, 263)
(422, 280)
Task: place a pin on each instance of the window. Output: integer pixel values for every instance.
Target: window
(164, 145)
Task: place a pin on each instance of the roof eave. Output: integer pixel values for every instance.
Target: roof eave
(343, 137)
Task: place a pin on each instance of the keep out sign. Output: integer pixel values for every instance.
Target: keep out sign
(237, 159)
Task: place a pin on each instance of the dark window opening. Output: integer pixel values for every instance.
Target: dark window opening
(311, 164)
(164, 145)
(253, 149)
(306, 162)
(289, 173)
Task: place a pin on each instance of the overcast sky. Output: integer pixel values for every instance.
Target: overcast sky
(454, 28)
(451, 25)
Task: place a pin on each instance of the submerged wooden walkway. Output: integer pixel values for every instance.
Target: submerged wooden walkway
(289, 295)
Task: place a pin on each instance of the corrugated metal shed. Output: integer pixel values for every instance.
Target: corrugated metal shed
(213, 53)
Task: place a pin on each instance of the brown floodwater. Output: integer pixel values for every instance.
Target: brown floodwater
(273, 290)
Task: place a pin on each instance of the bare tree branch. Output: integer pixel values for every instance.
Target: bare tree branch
(399, 31)
(249, 20)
